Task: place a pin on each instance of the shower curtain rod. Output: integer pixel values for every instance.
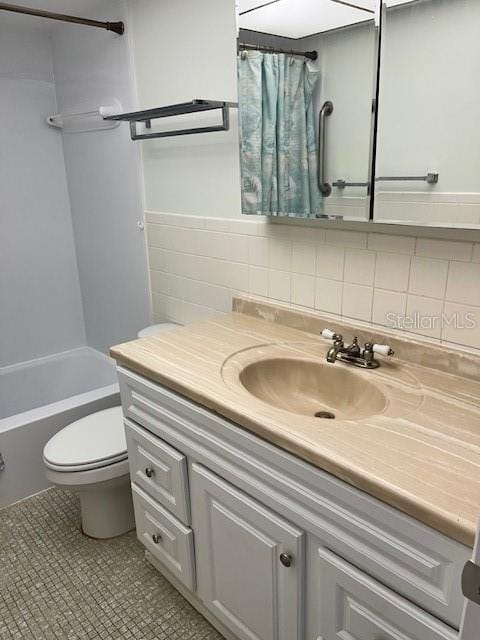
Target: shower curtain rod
(116, 27)
(243, 46)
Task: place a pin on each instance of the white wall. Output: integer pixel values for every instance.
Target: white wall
(186, 50)
(429, 106)
(40, 305)
(346, 61)
(104, 178)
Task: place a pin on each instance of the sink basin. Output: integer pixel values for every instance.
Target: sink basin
(313, 389)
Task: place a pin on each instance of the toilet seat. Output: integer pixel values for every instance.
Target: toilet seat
(84, 480)
(93, 442)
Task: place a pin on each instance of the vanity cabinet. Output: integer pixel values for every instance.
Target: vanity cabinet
(271, 547)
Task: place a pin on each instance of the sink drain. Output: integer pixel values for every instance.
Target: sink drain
(326, 415)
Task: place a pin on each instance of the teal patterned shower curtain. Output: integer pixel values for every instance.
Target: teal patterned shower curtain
(277, 135)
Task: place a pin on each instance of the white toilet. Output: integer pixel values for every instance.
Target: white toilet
(89, 457)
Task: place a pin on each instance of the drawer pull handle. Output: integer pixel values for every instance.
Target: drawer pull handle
(149, 472)
(156, 538)
(286, 559)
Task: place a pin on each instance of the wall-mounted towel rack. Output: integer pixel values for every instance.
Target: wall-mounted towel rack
(88, 120)
(431, 178)
(195, 106)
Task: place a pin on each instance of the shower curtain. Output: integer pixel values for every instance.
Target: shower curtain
(277, 135)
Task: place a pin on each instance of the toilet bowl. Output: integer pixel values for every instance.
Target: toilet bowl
(89, 458)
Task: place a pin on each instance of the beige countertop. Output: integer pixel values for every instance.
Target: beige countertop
(420, 454)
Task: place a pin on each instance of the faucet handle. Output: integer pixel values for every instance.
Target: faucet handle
(328, 334)
(370, 350)
(383, 349)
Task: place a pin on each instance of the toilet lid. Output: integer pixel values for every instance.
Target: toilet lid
(89, 443)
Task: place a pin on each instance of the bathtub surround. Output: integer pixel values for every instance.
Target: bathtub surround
(41, 309)
(69, 200)
(104, 180)
(427, 287)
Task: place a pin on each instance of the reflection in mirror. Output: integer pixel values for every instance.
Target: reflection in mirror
(428, 152)
(307, 71)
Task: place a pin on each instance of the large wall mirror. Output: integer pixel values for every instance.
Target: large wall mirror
(428, 153)
(307, 79)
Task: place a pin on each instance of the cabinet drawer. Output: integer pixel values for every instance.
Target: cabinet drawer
(352, 605)
(167, 539)
(159, 469)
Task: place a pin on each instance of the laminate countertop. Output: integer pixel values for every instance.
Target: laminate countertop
(420, 453)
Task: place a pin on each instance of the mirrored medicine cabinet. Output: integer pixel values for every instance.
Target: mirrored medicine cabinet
(361, 110)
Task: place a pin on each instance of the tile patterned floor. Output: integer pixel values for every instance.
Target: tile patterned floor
(57, 584)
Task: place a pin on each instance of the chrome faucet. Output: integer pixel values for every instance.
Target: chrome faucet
(353, 354)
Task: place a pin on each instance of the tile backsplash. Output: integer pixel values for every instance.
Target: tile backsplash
(417, 285)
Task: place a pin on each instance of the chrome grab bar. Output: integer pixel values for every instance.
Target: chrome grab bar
(341, 184)
(431, 178)
(326, 110)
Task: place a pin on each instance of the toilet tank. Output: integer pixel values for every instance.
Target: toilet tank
(154, 329)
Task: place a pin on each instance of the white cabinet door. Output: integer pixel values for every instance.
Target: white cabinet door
(249, 561)
(470, 629)
(353, 606)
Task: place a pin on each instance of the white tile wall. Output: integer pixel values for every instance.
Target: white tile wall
(331, 262)
(198, 263)
(329, 295)
(434, 206)
(359, 266)
(428, 277)
(387, 302)
(392, 271)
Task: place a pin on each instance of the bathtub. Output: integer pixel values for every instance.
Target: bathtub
(37, 399)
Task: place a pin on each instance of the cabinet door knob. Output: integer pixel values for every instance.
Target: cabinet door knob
(286, 559)
(149, 472)
(156, 538)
